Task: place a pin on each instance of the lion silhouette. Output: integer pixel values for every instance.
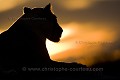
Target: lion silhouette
(23, 48)
(24, 42)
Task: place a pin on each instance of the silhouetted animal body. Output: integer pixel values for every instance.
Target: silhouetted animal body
(24, 43)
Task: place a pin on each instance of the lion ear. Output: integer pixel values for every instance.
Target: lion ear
(48, 7)
(27, 10)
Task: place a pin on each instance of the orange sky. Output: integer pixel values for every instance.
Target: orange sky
(81, 40)
(90, 28)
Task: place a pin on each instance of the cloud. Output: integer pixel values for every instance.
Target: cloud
(101, 11)
(10, 4)
(76, 4)
(89, 54)
(89, 44)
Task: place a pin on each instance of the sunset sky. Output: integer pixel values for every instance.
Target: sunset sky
(91, 28)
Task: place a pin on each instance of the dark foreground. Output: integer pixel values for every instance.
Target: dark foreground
(64, 71)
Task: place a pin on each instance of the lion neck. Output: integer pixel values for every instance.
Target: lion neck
(33, 42)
